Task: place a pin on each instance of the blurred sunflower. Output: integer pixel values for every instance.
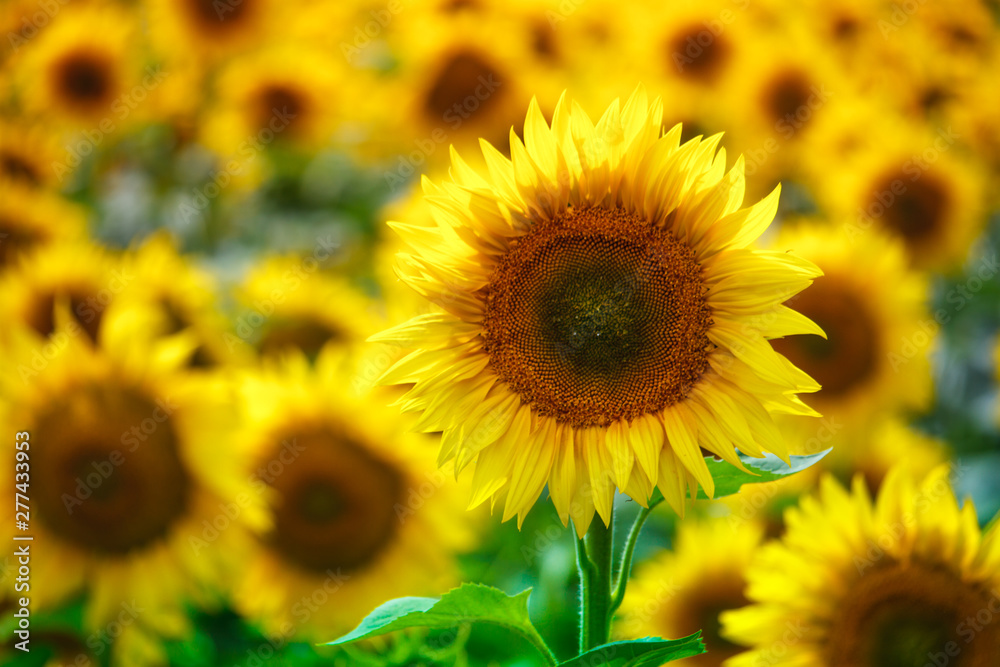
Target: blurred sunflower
(83, 67)
(594, 295)
(679, 592)
(360, 513)
(167, 295)
(122, 455)
(699, 46)
(27, 152)
(879, 333)
(916, 185)
(84, 276)
(890, 444)
(289, 304)
(291, 95)
(897, 582)
(459, 78)
(211, 29)
(31, 219)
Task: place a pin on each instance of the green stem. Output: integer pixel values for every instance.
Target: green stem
(594, 559)
(625, 566)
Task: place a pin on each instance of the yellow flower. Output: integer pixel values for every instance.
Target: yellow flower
(27, 153)
(456, 82)
(873, 308)
(597, 297)
(166, 295)
(360, 514)
(82, 69)
(211, 29)
(31, 219)
(679, 592)
(916, 185)
(907, 580)
(289, 303)
(123, 453)
(291, 95)
(85, 277)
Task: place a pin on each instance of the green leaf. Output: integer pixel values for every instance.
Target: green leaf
(468, 603)
(648, 652)
(729, 479)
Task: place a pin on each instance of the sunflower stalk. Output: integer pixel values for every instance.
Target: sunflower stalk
(595, 555)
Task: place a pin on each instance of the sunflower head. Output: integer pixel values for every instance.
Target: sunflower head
(600, 315)
(896, 582)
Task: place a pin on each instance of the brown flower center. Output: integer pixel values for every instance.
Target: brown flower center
(336, 506)
(848, 357)
(106, 470)
(699, 610)
(15, 241)
(904, 614)
(282, 103)
(918, 212)
(218, 15)
(698, 54)
(597, 316)
(466, 86)
(86, 307)
(787, 94)
(85, 80)
(17, 168)
(306, 334)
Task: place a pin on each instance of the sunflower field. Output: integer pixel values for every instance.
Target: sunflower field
(481, 333)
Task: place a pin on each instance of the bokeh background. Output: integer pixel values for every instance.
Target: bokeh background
(193, 250)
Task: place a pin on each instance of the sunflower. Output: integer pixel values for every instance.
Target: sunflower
(122, 458)
(292, 95)
(84, 68)
(211, 29)
(787, 84)
(167, 295)
(27, 153)
(873, 308)
(360, 514)
(289, 303)
(917, 185)
(679, 592)
(85, 276)
(596, 297)
(908, 580)
(459, 78)
(30, 219)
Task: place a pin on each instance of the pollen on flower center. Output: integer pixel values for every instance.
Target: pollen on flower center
(596, 317)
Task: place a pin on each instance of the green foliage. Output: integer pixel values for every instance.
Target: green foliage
(648, 652)
(729, 479)
(466, 604)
